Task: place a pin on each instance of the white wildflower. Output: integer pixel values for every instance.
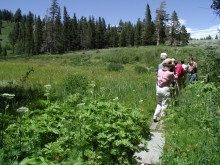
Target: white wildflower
(115, 99)
(23, 109)
(7, 95)
(140, 101)
(48, 86)
(81, 104)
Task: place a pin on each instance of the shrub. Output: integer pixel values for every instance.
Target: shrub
(115, 67)
(75, 83)
(140, 69)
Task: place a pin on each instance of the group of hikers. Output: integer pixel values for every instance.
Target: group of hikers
(171, 73)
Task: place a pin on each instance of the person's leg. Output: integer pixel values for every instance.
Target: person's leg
(159, 103)
(192, 78)
(165, 100)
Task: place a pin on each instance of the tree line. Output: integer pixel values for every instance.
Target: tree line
(57, 34)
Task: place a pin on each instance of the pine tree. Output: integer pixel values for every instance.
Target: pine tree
(58, 34)
(75, 34)
(161, 18)
(18, 15)
(148, 35)
(174, 29)
(130, 34)
(100, 31)
(29, 38)
(38, 35)
(137, 34)
(184, 36)
(50, 26)
(114, 38)
(0, 48)
(122, 38)
(1, 26)
(67, 28)
(4, 52)
(13, 36)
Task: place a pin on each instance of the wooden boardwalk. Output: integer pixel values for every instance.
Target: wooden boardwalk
(151, 155)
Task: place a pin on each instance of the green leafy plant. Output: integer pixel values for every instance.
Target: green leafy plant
(115, 67)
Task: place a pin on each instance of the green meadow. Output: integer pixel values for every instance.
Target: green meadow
(96, 106)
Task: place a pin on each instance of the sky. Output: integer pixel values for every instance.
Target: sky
(195, 15)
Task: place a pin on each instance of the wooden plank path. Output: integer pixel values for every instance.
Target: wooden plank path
(151, 155)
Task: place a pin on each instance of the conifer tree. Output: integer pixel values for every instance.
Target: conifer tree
(174, 29)
(148, 35)
(1, 26)
(0, 48)
(4, 52)
(67, 28)
(130, 34)
(38, 35)
(114, 38)
(184, 36)
(75, 34)
(50, 26)
(58, 34)
(89, 34)
(100, 31)
(29, 38)
(161, 18)
(137, 34)
(18, 15)
(13, 36)
(122, 38)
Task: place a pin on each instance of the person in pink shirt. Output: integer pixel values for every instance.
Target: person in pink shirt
(164, 78)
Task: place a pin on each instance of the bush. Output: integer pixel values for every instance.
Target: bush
(140, 69)
(75, 83)
(115, 67)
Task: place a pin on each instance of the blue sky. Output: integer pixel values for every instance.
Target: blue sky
(195, 15)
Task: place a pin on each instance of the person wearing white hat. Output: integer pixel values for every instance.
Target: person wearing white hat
(163, 56)
(164, 78)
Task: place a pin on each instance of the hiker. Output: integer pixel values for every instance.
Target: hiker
(164, 79)
(163, 56)
(179, 71)
(195, 66)
(185, 67)
(192, 72)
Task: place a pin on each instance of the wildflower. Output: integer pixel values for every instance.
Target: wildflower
(115, 99)
(92, 84)
(7, 95)
(23, 109)
(198, 95)
(140, 101)
(81, 104)
(48, 86)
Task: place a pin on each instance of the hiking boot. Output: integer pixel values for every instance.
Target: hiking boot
(155, 120)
